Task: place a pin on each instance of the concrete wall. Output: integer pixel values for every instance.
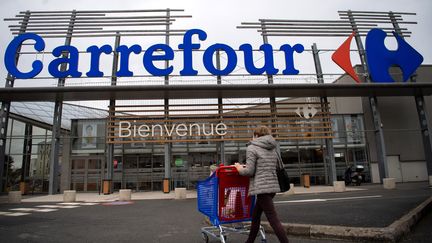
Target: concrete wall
(401, 127)
(402, 171)
(346, 105)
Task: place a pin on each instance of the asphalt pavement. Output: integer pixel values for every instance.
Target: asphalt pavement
(374, 207)
(142, 221)
(179, 221)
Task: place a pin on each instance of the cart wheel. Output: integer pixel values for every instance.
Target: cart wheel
(263, 241)
(224, 238)
(205, 237)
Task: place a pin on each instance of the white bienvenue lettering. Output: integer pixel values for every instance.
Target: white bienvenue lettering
(221, 129)
(153, 129)
(181, 128)
(144, 129)
(211, 130)
(169, 132)
(197, 127)
(126, 129)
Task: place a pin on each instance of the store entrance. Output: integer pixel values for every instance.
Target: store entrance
(145, 172)
(87, 173)
(305, 161)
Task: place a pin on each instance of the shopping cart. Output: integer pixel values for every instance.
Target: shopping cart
(223, 198)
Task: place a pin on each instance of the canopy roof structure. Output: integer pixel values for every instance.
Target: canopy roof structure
(212, 91)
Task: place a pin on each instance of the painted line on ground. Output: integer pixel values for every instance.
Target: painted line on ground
(23, 209)
(49, 206)
(42, 210)
(16, 214)
(58, 206)
(70, 203)
(45, 210)
(326, 199)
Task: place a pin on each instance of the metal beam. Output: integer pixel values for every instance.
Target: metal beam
(54, 183)
(329, 156)
(421, 111)
(74, 93)
(379, 134)
(5, 106)
(110, 147)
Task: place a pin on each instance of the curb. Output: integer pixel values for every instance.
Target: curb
(391, 233)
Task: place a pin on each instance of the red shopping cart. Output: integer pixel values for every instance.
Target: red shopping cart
(223, 198)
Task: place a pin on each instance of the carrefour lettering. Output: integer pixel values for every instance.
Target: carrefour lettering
(149, 57)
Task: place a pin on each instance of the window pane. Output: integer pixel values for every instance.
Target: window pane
(338, 128)
(78, 164)
(354, 129)
(94, 164)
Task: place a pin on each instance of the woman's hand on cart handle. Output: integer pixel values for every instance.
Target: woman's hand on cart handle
(239, 166)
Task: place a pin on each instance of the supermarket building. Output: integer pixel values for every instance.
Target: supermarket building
(182, 128)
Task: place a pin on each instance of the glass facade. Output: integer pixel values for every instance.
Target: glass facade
(28, 150)
(28, 143)
(141, 166)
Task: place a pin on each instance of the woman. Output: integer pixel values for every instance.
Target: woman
(261, 161)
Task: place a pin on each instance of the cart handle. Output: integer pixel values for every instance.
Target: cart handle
(229, 170)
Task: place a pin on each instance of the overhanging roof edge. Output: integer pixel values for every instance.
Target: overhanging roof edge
(74, 93)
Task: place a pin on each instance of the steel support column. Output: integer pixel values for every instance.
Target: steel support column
(421, 110)
(379, 134)
(167, 146)
(58, 107)
(5, 106)
(110, 147)
(220, 111)
(329, 157)
(273, 109)
(27, 149)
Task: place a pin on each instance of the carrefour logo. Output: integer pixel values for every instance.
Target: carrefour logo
(153, 54)
(379, 58)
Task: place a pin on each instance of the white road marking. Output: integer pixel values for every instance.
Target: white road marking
(305, 200)
(70, 203)
(327, 199)
(88, 204)
(45, 210)
(23, 209)
(49, 206)
(57, 206)
(70, 206)
(16, 214)
(352, 198)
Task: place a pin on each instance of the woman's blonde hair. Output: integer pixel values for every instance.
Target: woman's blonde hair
(262, 131)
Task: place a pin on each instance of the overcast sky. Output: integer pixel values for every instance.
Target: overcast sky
(220, 18)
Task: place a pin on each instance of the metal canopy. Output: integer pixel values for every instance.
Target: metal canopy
(212, 91)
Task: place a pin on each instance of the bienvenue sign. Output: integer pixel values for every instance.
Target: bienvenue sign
(128, 129)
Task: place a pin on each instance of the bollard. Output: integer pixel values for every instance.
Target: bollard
(180, 193)
(430, 180)
(125, 195)
(15, 197)
(339, 186)
(69, 196)
(389, 183)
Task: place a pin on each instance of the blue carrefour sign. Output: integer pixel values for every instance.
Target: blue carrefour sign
(149, 57)
(379, 58)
